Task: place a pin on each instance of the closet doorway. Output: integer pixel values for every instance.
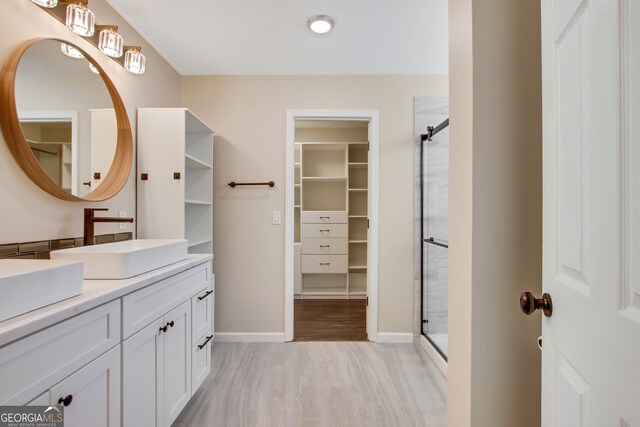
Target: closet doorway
(331, 225)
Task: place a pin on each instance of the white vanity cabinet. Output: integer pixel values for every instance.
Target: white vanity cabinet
(157, 359)
(77, 359)
(93, 393)
(134, 355)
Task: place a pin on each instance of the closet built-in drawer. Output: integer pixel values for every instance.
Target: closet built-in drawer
(324, 230)
(200, 361)
(325, 263)
(144, 306)
(325, 246)
(323, 217)
(201, 306)
(36, 363)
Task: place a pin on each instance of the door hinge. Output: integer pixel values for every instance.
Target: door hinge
(367, 301)
(367, 223)
(368, 143)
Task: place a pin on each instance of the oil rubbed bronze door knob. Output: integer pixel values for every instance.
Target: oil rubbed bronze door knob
(529, 303)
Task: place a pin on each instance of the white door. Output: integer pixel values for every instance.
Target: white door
(591, 205)
(92, 394)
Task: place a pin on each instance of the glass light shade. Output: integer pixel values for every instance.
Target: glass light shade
(80, 19)
(320, 24)
(46, 3)
(71, 51)
(111, 43)
(135, 61)
(93, 69)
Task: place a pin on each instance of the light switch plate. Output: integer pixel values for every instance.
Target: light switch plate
(122, 225)
(276, 218)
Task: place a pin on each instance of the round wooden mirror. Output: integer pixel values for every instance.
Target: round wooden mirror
(65, 125)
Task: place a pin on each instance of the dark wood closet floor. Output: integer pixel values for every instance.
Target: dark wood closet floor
(330, 320)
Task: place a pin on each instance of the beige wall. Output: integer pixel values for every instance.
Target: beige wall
(28, 213)
(248, 114)
(495, 212)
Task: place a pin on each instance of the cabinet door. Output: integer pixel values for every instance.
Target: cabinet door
(201, 305)
(176, 344)
(95, 391)
(142, 377)
(161, 145)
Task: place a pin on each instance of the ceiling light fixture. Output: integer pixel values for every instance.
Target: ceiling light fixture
(134, 60)
(46, 3)
(80, 19)
(320, 24)
(71, 51)
(110, 42)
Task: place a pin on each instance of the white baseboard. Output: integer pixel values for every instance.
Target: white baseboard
(395, 337)
(249, 337)
(434, 355)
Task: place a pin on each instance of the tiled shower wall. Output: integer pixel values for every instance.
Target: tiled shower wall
(431, 111)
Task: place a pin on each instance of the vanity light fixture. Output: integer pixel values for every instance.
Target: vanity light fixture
(71, 51)
(46, 3)
(110, 42)
(80, 19)
(320, 24)
(134, 60)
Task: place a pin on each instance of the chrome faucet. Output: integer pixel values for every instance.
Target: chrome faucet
(90, 219)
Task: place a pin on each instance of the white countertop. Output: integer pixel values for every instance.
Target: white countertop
(94, 293)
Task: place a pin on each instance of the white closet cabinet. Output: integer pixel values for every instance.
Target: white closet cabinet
(331, 213)
(175, 177)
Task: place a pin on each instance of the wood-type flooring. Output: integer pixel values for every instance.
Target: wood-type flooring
(330, 320)
(318, 384)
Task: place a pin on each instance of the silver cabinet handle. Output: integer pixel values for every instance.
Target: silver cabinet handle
(324, 246)
(323, 231)
(325, 263)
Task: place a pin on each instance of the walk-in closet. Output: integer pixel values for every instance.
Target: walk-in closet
(331, 195)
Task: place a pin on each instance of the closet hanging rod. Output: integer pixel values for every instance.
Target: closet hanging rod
(233, 184)
(431, 131)
(432, 241)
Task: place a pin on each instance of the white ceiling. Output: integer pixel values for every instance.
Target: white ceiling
(202, 37)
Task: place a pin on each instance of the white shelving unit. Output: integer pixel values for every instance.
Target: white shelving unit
(175, 177)
(330, 209)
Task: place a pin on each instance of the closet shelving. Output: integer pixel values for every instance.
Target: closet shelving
(330, 229)
(175, 150)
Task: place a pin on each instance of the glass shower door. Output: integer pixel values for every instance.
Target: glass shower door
(434, 188)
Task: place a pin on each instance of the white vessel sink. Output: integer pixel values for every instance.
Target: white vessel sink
(122, 260)
(29, 284)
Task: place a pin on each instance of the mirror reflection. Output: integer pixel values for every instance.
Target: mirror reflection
(66, 115)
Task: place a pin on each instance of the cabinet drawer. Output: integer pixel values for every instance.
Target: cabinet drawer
(35, 363)
(326, 217)
(325, 263)
(146, 305)
(200, 362)
(325, 246)
(324, 230)
(201, 305)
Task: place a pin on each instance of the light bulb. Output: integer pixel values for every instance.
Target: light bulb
(110, 42)
(80, 19)
(50, 4)
(71, 51)
(134, 60)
